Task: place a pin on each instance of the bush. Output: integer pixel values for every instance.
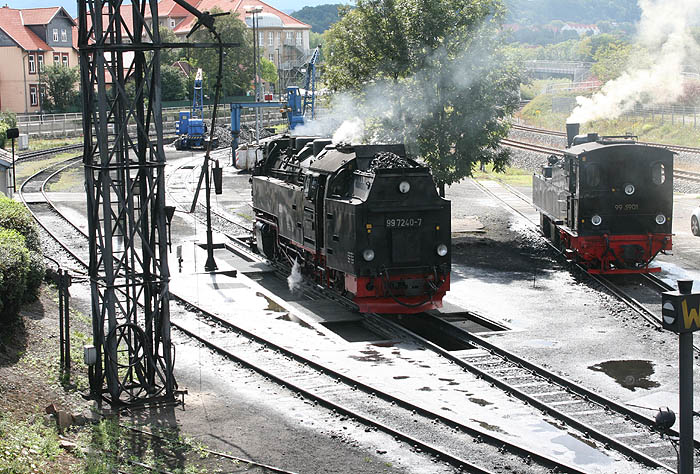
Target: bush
(13, 215)
(14, 267)
(37, 270)
(7, 120)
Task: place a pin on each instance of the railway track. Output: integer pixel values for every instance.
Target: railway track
(345, 395)
(600, 418)
(48, 151)
(557, 133)
(677, 173)
(650, 316)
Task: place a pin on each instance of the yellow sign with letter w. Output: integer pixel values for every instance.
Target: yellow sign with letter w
(691, 320)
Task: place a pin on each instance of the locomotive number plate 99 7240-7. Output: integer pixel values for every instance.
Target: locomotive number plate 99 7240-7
(400, 222)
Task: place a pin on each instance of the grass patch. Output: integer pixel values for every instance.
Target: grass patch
(71, 180)
(27, 168)
(511, 176)
(26, 447)
(38, 144)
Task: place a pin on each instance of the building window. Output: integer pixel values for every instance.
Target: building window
(298, 38)
(65, 59)
(64, 35)
(55, 34)
(271, 39)
(288, 36)
(279, 35)
(40, 61)
(261, 38)
(56, 58)
(272, 57)
(33, 95)
(32, 64)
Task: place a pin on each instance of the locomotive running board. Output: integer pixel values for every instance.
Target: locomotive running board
(625, 271)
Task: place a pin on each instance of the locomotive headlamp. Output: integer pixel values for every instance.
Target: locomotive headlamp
(596, 220)
(368, 255)
(404, 187)
(629, 189)
(660, 219)
(442, 250)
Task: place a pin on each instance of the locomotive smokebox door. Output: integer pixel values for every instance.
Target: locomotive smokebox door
(680, 310)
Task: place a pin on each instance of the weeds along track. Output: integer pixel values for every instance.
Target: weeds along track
(425, 431)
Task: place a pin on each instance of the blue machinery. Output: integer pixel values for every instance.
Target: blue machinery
(190, 127)
(297, 105)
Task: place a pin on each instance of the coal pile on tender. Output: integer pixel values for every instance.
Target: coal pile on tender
(388, 160)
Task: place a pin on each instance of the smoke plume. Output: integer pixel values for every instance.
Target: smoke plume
(664, 32)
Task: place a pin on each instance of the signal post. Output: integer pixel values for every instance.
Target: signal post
(681, 314)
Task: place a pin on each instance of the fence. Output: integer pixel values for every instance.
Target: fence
(71, 125)
(683, 115)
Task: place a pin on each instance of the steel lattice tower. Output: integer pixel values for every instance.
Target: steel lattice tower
(124, 178)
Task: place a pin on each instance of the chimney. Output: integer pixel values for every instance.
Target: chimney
(572, 130)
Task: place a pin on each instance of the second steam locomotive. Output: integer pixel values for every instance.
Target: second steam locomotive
(363, 220)
(608, 203)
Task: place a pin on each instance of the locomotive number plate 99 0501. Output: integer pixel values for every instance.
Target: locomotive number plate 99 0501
(399, 222)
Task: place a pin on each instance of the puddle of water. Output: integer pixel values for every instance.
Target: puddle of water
(372, 356)
(271, 305)
(480, 401)
(425, 389)
(489, 427)
(400, 377)
(631, 374)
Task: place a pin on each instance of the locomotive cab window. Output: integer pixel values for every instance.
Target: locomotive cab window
(311, 186)
(591, 176)
(658, 173)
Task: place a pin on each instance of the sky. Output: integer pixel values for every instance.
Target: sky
(72, 6)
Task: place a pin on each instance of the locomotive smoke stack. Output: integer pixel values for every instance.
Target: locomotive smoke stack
(572, 130)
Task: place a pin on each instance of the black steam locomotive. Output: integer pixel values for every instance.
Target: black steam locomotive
(608, 202)
(363, 220)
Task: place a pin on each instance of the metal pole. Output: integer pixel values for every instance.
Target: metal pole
(14, 179)
(256, 46)
(685, 374)
(61, 337)
(65, 283)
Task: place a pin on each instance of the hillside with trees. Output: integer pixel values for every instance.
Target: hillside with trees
(581, 11)
(320, 18)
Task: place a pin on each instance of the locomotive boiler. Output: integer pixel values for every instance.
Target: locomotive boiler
(363, 220)
(608, 203)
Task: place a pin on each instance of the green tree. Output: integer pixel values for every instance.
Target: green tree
(444, 85)
(238, 61)
(61, 92)
(170, 56)
(173, 84)
(610, 61)
(268, 71)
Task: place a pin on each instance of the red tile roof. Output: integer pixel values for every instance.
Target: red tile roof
(42, 16)
(12, 24)
(234, 6)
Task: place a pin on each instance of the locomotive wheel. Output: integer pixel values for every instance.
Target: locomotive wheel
(695, 226)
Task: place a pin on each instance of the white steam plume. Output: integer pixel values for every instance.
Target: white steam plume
(294, 279)
(664, 32)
